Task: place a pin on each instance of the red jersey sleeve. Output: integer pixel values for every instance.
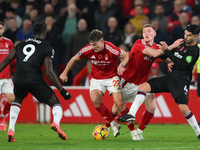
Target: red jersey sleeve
(85, 51)
(116, 51)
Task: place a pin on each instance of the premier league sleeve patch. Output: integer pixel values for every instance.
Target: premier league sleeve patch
(189, 59)
(79, 54)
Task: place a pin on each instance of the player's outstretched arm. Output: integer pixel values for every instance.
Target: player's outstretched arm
(53, 79)
(8, 59)
(70, 64)
(152, 52)
(125, 58)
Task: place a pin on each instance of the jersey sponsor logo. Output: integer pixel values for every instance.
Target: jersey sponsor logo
(93, 57)
(178, 55)
(4, 51)
(189, 59)
(100, 63)
(78, 108)
(162, 110)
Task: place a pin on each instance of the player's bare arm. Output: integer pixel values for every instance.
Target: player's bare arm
(70, 64)
(50, 74)
(152, 52)
(54, 80)
(125, 58)
(8, 59)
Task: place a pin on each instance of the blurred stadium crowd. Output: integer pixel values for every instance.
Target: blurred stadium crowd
(69, 23)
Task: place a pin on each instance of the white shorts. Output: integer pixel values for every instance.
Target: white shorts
(6, 86)
(112, 84)
(129, 91)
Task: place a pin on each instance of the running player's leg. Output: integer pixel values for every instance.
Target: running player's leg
(150, 103)
(181, 97)
(45, 94)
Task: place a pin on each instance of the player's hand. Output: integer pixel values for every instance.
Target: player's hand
(177, 43)
(120, 70)
(63, 77)
(164, 46)
(170, 65)
(65, 94)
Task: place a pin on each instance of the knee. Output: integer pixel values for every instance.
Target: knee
(183, 109)
(10, 98)
(96, 100)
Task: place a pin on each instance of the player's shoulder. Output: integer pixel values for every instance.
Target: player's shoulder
(87, 48)
(7, 39)
(111, 48)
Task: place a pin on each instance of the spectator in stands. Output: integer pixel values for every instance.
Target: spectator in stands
(197, 8)
(10, 13)
(54, 37)
(57, 6)
(173, 18)
(130, 35)
(76, 42)
(25, 32)
(19, 10)
(187, 7)
(48, 10)
(65, 9)
(28, 8)
(195, 20)
(113, 34)
(102, 14)
(3, 8)
(144, 8)
(155, 72)
(12, 30)
(88, 13)
(33, 15)
(160, 16)
(167, 4)
(137, 20)
(178, 31)
(161, 35)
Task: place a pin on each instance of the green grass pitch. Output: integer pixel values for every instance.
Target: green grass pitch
(157, 137)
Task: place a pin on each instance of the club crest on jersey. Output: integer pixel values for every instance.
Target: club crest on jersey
(100, 56)
(106, 57)
(6, 45)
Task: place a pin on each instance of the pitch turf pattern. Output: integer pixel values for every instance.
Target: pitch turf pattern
(157, 137)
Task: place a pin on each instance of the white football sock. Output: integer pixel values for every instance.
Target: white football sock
(57, 114)
(139, 99)
(14, 112)
(193, 123)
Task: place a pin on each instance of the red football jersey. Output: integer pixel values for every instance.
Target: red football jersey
(139, 64)
(6, 46)
(104, 63)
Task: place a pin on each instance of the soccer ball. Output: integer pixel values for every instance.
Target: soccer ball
(100, 132)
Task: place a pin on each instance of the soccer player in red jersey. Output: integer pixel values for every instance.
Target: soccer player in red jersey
(142, 55)
(103, 56)
(6, 84)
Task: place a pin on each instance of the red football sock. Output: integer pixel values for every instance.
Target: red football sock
(129, 125)
(6, 108)
(145, 120)
(113, 115)
(125, 111)
(104, 112)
